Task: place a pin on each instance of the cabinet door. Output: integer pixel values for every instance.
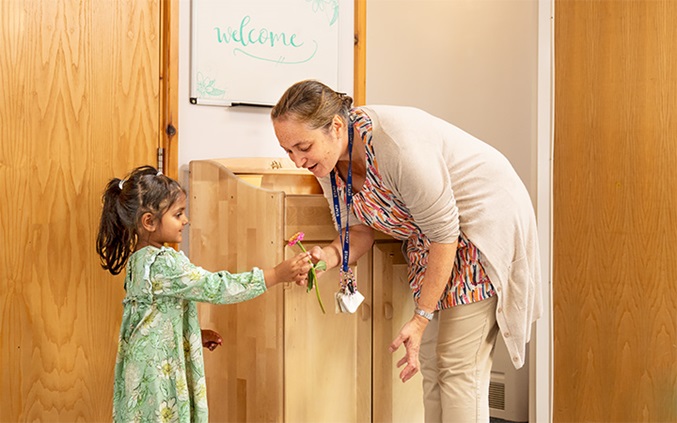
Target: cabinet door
(327, 364)
(393, 401)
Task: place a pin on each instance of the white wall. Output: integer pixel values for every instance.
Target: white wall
(470, 62)
(475, 63)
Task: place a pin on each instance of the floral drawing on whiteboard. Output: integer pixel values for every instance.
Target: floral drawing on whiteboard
(206, 88)
(329, 7)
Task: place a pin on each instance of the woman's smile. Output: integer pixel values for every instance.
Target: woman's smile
(316, 150)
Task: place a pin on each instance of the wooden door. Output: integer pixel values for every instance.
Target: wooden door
(615, 211)
(80, 103)
(393, 401)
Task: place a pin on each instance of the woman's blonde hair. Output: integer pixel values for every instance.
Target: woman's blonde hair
(312, 103)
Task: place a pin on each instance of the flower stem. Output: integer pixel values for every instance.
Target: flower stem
(317, 290)
(315, 281)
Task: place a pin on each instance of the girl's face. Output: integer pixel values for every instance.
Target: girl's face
(170, 228)
(317, 150)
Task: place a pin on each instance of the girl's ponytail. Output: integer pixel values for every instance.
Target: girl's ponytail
(115, 240)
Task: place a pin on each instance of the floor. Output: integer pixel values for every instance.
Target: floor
(497, 420)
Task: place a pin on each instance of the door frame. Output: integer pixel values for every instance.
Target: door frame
(540, 365)
(168, 147)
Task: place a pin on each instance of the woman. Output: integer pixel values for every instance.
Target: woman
(465, 218)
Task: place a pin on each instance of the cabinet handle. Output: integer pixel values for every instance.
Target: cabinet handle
(365, 313)
(387, 310)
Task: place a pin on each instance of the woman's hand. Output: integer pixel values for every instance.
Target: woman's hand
(410, 335)
(211, 339)
(318, 254)
(440, 263)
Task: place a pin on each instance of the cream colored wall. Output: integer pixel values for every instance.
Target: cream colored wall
(471, 62)
(475, 64)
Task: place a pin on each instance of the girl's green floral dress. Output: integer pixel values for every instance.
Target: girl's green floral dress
(159, 371)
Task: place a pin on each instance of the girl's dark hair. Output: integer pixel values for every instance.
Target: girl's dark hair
(125, 201)
(312, 103)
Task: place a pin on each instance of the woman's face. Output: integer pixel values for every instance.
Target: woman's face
(317, 150)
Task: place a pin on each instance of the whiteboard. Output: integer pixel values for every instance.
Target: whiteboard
(248, 52)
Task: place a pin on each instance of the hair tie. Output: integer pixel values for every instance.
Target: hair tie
(122, 182)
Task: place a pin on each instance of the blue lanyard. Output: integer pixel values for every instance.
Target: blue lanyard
(349, 200)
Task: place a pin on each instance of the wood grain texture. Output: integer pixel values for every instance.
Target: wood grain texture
(393, 307)
(79, 105)
(360, 53)
(309, 214)
(327, 356)
(236, 227)
(282, 360)
(169, 86)
(615, 226)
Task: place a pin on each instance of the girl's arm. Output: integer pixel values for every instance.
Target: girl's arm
(294, 269)
(173, 275)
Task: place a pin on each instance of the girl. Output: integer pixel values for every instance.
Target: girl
(159, 371)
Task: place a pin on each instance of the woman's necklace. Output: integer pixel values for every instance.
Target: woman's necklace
(347, 281)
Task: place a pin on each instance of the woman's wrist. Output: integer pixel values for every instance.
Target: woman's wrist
(427, 315)
(332, 256)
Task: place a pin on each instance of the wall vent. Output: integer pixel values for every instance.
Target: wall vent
(508, 387)
(497, 395)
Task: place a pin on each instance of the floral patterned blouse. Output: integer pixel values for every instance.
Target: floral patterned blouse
(379, 207)
(159, 371)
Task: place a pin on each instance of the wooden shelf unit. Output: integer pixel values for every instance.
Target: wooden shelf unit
(282, 360)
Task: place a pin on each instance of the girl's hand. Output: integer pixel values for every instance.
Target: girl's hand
(410, 335)
(294, 269)
(211, 339)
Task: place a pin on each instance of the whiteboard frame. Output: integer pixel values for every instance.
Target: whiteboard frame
(345, 53)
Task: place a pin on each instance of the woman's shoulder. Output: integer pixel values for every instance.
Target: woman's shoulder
(387, 114)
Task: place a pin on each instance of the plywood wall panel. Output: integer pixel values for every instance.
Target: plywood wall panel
(615, 227)
(79, 104)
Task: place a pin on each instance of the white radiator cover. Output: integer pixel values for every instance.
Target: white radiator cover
(508, 388)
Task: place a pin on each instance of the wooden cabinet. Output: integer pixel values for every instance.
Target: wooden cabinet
(283, 359)
(393, 400)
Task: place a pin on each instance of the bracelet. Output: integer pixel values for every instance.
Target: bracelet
(424, 314)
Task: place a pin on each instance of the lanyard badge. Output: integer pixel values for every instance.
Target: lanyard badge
(347, 298)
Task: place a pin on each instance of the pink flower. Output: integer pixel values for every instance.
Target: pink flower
(312, 274)
(298, 237)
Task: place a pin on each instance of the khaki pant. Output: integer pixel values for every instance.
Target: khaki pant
(456, 356)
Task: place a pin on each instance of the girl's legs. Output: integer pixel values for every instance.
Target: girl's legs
(456, 358)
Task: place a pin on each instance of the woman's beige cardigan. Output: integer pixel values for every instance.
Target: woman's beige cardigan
(449, 180)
